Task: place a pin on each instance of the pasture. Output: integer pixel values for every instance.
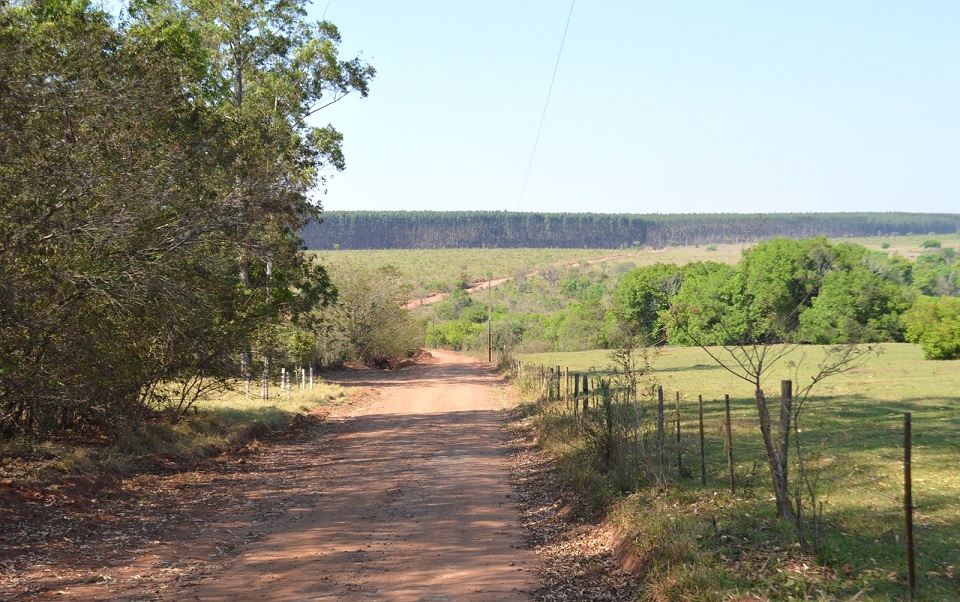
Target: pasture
(851, 429)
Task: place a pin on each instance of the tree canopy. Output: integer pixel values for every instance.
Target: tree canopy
(132, 179)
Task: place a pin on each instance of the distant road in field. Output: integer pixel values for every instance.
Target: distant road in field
(438, 297)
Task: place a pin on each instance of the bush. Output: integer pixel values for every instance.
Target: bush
(368, 322)
(934, 324)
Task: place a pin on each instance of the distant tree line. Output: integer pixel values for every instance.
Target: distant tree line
(491, 229)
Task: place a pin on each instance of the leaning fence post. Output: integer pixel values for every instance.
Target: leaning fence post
(783, 434)
(908, 505)
(733, 486)
(576, 398)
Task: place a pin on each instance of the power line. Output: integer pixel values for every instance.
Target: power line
(546, 104)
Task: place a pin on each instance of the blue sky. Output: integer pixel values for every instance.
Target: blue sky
(666, 107)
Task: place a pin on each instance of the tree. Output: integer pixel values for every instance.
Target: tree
(260, 64)
(772, 286)
(854, 305)
(934, 276)
(709, 298)
(368, 321)
(642, 297)
(107, 226)
(128, 188)
(934, 324)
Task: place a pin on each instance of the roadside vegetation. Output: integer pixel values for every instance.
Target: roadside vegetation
(215, 424)
(155, 171)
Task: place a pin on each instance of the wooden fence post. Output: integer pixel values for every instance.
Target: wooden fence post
(703, 456)
(660, 432)
(733, 485)
(576, 398)
(679, 445)
(908, 504)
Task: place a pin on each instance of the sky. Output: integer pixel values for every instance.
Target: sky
(656, 107)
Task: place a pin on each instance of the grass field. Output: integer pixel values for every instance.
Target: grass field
(852, 435)
(430, 270)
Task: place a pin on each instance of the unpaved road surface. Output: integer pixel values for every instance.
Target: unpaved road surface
(404, 494)
(411, 501)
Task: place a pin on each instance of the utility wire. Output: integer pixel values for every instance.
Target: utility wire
(546, 104)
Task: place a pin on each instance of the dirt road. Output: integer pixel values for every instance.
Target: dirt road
(409, 501)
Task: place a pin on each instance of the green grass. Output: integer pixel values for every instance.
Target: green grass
(429, 270)
(852, 436)
(905, 246)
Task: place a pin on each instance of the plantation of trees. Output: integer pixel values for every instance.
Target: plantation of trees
(489, 229)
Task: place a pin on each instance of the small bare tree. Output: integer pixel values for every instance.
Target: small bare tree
(751, 358)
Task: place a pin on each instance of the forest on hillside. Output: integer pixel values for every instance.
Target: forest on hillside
(810, 291)
(493, 229)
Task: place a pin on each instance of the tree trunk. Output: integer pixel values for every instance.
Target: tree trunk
(778, 461)
(246, 355)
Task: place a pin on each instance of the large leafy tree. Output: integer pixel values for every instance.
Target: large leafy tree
(643, 296)
(129, 187)
(265, 67)
(854, 305)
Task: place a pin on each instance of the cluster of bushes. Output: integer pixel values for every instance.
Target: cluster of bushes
(807, 291)
(550, 311)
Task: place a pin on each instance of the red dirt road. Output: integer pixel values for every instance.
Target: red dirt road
(410, 500)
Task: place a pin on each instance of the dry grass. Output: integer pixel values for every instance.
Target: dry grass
(214, 425)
